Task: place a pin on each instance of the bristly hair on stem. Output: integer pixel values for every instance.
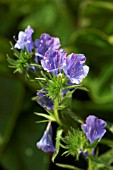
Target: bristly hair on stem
(75, 142)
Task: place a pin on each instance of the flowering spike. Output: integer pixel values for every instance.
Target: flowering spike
(46, 43)
(74, 68)
(46, 143)
(25, 39)
(94, 128)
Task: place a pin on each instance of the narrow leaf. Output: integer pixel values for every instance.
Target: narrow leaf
(107, 142)
(67, 166)
(11, 61)
(45, 116)
(110, 126)
(57, 147)
(41, 121)
(100, 161)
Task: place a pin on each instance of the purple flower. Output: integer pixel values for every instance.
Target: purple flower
(45, 43)
(25, 39)
(46, 143)
(75, 70)
(94, 128)
(54, 61)
(45, 101)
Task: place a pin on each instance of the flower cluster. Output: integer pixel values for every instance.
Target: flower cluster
(53, 60)
(58, 75)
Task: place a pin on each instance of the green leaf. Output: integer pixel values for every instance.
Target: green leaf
(41, 121)
(109, 126)
(66, 166)
(107, 157)
(107, 142)
(51, 118)
(70, 118)
(57, 146)
(101, 161)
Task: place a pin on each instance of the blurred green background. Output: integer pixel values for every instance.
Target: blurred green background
(83, 26)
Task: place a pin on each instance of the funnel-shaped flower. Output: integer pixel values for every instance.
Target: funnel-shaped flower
(75, 70)
(54, 61)
(45, 101)
(46, 143)
(94, 128)
(45, 43)
(25, 39)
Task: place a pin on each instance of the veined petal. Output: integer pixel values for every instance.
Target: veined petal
(74, 69)
(54, 61)
(46, 43)
(45, 101)
(25, 39)
(94, 128)
(46, 143)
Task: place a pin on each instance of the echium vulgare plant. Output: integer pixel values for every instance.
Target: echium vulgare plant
(57, 75)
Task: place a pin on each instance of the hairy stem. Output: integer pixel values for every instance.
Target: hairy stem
(56, 112)
(90, 166)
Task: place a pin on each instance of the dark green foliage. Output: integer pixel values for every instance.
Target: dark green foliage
(83, 27)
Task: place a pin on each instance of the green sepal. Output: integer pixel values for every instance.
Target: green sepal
(54, 87)
(75, 142)
(22, 61)
(57, 145)
(93, 145)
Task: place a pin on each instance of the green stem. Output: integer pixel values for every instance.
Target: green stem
(90, 166)
(56, 112)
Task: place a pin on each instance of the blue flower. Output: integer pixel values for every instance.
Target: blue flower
(94, 128)
(75, 69)
(54, 61)
(45, 101)
(45, 43)
(46, 143)
(25, 39)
